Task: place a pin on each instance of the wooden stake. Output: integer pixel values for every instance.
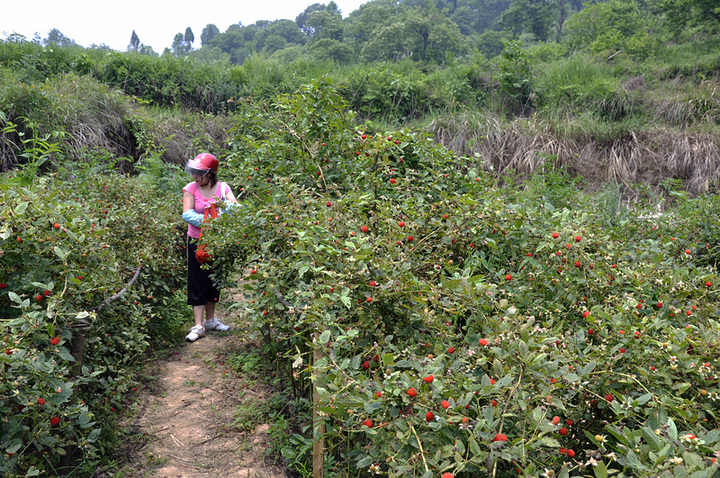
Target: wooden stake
(318, 424)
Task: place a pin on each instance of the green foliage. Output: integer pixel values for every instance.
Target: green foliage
(515, 76)
(90, 277)
(379, 262)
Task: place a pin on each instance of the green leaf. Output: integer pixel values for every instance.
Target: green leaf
(325, 337)
(365, 462)
(20, 208)
(474, 447)
(14, 297)
(601, 470)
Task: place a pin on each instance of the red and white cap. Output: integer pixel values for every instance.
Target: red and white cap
(201, 164)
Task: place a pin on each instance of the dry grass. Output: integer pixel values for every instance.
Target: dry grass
(524, 145)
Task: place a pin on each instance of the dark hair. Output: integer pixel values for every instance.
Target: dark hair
(213, 177)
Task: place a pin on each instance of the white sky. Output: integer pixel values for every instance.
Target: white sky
(156, 22)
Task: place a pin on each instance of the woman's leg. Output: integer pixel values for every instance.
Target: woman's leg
(209, 310)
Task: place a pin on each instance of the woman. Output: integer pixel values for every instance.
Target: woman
(204, 190)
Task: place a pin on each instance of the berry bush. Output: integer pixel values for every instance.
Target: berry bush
(455, 326)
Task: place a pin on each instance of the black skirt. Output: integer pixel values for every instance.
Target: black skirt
(200, 284)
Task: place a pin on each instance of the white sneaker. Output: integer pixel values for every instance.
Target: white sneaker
(195, 333)
(215, 324)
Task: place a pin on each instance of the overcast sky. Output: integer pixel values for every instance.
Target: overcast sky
(156, 22)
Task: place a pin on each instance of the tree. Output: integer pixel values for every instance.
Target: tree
(681, 14)
(189, 38)
(134, 42)
(178, 45)
(531, 16)
(209, 32)
(55, 37)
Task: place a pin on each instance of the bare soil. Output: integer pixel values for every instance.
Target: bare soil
(185, 423)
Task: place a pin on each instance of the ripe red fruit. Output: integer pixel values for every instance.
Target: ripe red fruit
(47, 293)
(56, 225)
(363, 136)
(253, 271)
(364, 229)
(367, 423)
(447, 475)
(328, 204)
(378, 394)
(54, 421)
(401, 224)
(563, 431)
(38, 297)
(659, 305)
(569, 422)
(622, 350)
(410, 238)
(562, 451)
(590, 331)
(412, 392)
(429, 416)
(134, 389)
(508, 277)
(451, 350)
(41, 401)
(493, 402)
(500, 437)
(429, 379)
(688, 251)
(586, 313)
(708, 284)
(555, 235)
(556, 420)
(445, 404)
(372, 283)
(392, 180)
(578, 238)
(55, 340)
(571, 453)
(366, 365)
(369, 299)
(3, 285)
(609, 397)
(578, 264)
(483, 342)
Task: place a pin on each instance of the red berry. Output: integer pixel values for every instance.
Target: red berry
(659, 305)
(54, 421)
(369, 299)
(364, 229)
(378, 394)
(571, 453)
(372, 283)
(590, 331)
(555, 235)
(578, 238)
(483, 342)
(451, 350)
(392, 180)
(41, 401)
(401, 224)
(429, 416)
(328, 204)
(563, 431)
(493, 402)
(38, 297)
(508, 277)
(429, 379)
(412, 392)
(55, 340)
(500, 437)
(445, 404)
(366, 365)
(56, 225)
(609, 397)
(586, 313)
(556, 420)
(447, 475)
(3, 285)
(708, 284)
(367, 423)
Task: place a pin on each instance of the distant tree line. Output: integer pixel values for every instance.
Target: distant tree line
(437, 31)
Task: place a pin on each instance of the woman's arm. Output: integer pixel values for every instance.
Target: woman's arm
(189, 215)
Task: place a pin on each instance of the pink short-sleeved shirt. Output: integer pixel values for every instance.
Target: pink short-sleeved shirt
(201, 202)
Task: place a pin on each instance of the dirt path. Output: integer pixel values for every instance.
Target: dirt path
(186, 424)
